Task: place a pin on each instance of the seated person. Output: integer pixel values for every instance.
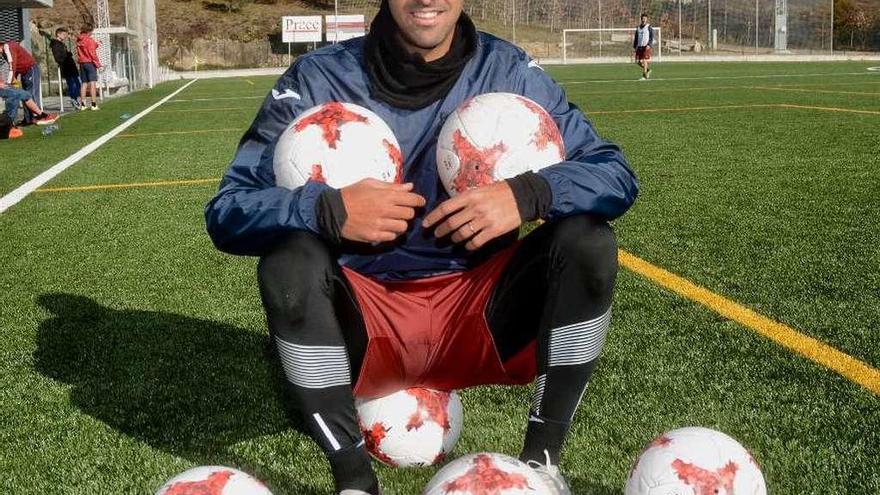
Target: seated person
(378, 287)
(14, 96)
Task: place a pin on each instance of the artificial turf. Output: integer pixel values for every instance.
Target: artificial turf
(133, 350)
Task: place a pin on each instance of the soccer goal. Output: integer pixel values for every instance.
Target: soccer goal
(606, 44)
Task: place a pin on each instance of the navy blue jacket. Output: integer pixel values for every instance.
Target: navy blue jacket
(249, 213)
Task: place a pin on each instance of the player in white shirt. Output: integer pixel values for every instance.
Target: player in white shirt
(643, 40)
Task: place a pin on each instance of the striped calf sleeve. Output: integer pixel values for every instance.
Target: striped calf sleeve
(539, 393)
(572, 351)
(314, 367)
(578, 343)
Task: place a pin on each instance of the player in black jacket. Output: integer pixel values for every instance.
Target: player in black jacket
(69, 70)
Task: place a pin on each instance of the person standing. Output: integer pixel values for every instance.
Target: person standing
(23, 66)
(89, 63)
(69, 71)
(643, 40)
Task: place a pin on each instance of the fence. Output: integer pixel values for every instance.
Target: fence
(718, 27)
(690, 28)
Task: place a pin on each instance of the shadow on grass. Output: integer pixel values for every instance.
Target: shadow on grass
(185, 386)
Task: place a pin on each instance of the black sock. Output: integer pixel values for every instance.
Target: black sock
(352, 470)
(544, 434)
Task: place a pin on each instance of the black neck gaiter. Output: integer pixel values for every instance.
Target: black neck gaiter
(403, 79)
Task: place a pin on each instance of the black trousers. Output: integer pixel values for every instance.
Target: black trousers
(557, 289)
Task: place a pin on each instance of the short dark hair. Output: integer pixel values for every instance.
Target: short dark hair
(61, 30)
(87, 28)
(644, 15)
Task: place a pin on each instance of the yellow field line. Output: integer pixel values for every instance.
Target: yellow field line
(249, 82)
(829, 109)
(218, 109)
(131, 185)
(640, 90)
(807, 90)
(814, 350)
(723, 107)
(809, 347)
(169, 133)
(683, 109)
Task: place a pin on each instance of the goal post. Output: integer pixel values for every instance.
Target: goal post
(606, 44)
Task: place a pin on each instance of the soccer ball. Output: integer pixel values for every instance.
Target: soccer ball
(338, 144)
(216, 480)
(495, 136)
(413, 427)
(486, 473)
(695, 461)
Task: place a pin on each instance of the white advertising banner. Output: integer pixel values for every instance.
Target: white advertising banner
(301, 29)
(347, 27)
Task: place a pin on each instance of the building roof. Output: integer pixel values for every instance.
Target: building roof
(27, 4)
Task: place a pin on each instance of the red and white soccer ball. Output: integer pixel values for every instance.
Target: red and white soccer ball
(216, 480)
(486, 473)
(695, 461)
(495, 136)
(413, 427)
(338, 144)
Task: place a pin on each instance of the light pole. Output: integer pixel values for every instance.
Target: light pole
(514, 21)
(336, 21)
(832, 28)
(709, 31)
(600, 28)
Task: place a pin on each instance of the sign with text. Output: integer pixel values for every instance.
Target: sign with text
(347, 27)
(301, 29)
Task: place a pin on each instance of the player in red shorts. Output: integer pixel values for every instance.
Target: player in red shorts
(643, 40)
(377, 287)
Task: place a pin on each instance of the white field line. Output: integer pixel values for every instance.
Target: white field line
(30, 186)
(220, 98)
(717, 78)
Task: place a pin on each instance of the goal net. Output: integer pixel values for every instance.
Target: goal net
(605, 44)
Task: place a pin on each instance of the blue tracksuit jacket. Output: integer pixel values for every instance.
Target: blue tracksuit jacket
(250, 212)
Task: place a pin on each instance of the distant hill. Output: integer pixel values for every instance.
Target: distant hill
(246, 33)
(238, 33)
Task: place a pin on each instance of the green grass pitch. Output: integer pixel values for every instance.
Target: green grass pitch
(132, 350)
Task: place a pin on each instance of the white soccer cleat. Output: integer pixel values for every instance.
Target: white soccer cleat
(551, 476)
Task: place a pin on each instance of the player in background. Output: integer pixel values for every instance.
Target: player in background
(66, 63)
(643, 40)
(89, 63)
(349, 277)
(23, 66)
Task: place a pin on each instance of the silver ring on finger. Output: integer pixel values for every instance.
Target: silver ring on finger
(473, 232)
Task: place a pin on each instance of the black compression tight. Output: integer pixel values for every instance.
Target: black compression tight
(557, 289)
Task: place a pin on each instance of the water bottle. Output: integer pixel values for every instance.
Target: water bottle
(125, 116)
(49, 129)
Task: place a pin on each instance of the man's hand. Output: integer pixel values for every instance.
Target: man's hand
(378, 211)
(476, 216)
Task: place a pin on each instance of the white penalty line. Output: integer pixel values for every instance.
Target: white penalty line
(30, 186)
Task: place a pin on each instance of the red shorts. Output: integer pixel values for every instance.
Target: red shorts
(643, 53)
(432, 332)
